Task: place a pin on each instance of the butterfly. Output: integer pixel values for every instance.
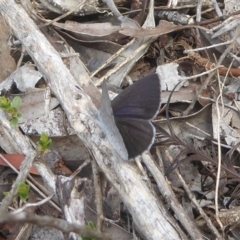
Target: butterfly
(133, 109)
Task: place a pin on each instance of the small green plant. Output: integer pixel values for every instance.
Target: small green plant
(12, 108)
(90, 226)
(44, 143)
(23, 191)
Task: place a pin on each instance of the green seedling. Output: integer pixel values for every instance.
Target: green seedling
(44, 143)
(90, 226)
(12, 108)
(23, 191)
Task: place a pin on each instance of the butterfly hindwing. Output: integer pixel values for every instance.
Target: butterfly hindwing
(138, 135)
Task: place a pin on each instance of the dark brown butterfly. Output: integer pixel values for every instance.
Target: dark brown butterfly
(133, 110)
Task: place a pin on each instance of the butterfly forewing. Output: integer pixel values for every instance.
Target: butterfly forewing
(140, 100)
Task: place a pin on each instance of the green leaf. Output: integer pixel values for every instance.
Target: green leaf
(23, 191)
(44, 143)
(5, 103)
(14, 122)
(16, 102)
(90, 226)
(40, 144)
(49, 143)
(44, 137)
(18, 115)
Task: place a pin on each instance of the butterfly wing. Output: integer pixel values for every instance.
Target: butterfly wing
(140, 100)
(138, 135)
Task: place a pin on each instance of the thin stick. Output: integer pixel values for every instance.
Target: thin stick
(219, 117)
(113, 57)
(193, 199)
(31, 184)
(98, 194)
(128, 59)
